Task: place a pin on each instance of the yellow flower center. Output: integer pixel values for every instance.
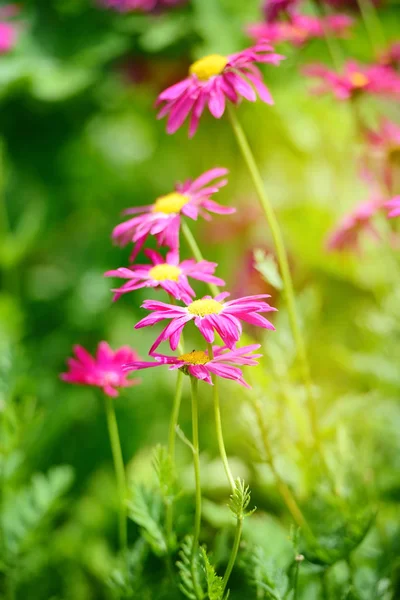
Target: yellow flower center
(208, 66)
(164, 272)
(358, 79)
(171, 203)
(196, 357)
(201, 308)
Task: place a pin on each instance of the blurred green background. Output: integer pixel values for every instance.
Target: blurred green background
(80, 143)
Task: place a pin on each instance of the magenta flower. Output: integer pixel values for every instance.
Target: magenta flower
(394, 207)
(209, 315)
(144, 6)
(163, 218)
(167, 273)
(198, 363)
(273, 9)
(391, 57)
(300, 28)
(347, 235)
(105, 370)
(214, 79)
(356, 78)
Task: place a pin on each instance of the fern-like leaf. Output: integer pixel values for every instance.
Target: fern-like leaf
(27, 511)
(240, 500)
(270, 582)
(164, 468)
(190, 572)
(215, 586)
(145, 509)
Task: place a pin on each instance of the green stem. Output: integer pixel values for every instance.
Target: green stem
(218, 425)
(191, 242)
(118, 467)
(331, 41)
(234, 552)
(196, 465)
(283, 265)
(171, 445)
(296, 577)
(283, 488)
(372, 24)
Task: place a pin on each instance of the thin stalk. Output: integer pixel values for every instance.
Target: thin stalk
(196, 466)
(118, 467)
(171, 446)
(218, 425)
(331, 41)
(283, 266)
(298, 560)
(283, 488)
(191, 242)
(372, 24)
(234, 552)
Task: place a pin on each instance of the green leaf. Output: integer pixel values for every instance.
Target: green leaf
(28, 510)
(240, 499)
(267, 267)
(165, 472)
(215, 586)
(145, 510)
(269, 581)
(191, 573)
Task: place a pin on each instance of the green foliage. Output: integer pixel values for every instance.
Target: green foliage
(240, 500)
(215, 587)
(191, 573)
(267, 267)
(269, 581)
(144, 508)
(165, 471)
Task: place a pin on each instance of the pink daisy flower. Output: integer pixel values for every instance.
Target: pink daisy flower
(168, 273)
(394, 207)
(300, 28)
(347, 235)
(356, 78)
(144, 6)
(163, 218)
(105, 370)
(211, 81)
(209, 315)
(198, 363)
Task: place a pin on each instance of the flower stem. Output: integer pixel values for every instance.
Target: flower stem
(283, 265)
(234, 552)
(118, 467)
(191, 242)
(283, 488)
(218, 425)
(171, 445)
(196, 465)
(372, 24)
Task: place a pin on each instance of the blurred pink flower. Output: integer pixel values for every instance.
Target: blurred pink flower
(391, 56)
(299, 29)
(162, 219)
(211, 81)
(104, 370)
(209, 315)
(347, 235)
(198, 363)
(355, 79)
(384, 150)
(273, 9)
(8, 31)
(394, 207)
(349, 4)
(168, 273)
(145, 6)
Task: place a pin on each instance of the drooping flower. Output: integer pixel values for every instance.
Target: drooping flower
(273, 9)
(105, 370)
(199, 364)
(350, 229)
(394, 207)
(209, 315)
(299, 29)
(163, 218)
(214, 79)
(144, 6)
(355, 79)
(167, 273)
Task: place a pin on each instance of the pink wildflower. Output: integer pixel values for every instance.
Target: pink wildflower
(144, 6)
(347, 235)
(356, 78)
(391, 57)
(209, 315)
(105, 370)
(300, 28)
(199, 364)
(163, 218)
(273, 9)
(211, 81)
(394, 207)
(8, 31)
(167, 273)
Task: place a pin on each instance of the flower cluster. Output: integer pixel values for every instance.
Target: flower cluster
(8, 30)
